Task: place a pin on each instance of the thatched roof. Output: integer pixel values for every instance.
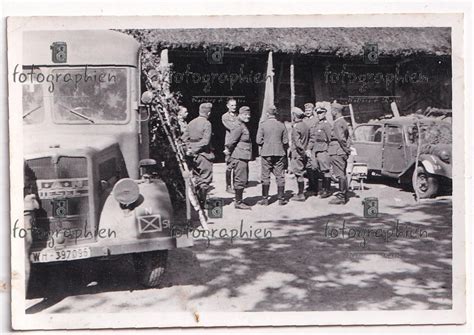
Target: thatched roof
(326, 41)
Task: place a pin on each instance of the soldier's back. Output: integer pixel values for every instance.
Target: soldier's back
(300, 132)
(196, 128)
(342, 125)
(302, 128)
(273, 137)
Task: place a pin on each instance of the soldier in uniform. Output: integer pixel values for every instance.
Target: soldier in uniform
(198, 138)
(183, 125)
(31, 204)
(182, 115)
(339, 151)
(310, 119)
(308, 110)
(272, 136)
(239, 148)
(230, 121)
(299, 142)
(319, 139)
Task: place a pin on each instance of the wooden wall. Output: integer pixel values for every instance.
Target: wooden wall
(416, 82)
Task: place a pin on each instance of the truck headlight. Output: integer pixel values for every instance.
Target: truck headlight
(126, 191)
(147, 97)
(445, 156)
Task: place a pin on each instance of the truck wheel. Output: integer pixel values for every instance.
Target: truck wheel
(424, 183)
(150, 266)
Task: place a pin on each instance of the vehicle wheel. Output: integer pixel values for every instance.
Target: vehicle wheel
(150, 266)
(38, 281)
(424, 183)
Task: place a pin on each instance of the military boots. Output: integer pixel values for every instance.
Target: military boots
(326, 188)
(264, 200)
(281, 196)
(300, 196)
(341, 197)
(239, 204)
(228, 182)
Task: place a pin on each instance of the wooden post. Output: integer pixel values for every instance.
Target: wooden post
(292, 104)
(351, 110)
(292, 84)
(394, 108)
(188, 202)
(165, 65)
(269, 96)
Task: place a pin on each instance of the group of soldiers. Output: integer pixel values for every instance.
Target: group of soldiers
(318, 151)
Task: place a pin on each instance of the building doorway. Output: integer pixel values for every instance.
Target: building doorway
(240, 76)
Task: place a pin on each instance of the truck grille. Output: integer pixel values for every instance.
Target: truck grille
(66, 167)
(59, 178)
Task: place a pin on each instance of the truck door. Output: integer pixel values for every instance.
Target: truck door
(393, 159)
(368, 144)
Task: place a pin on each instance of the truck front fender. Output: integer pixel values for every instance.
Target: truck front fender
(431, 163)
(434, 165)
(150, 217)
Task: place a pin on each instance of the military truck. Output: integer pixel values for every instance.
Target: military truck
(389, 147)
(86, 153)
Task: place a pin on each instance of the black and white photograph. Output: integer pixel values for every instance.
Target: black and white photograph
(230, 168)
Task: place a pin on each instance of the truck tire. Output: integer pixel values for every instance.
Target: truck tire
(424, 183)
(150, 266)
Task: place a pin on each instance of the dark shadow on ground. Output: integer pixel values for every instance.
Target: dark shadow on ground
(304, 266)
(445, 185)
(252, 201)
(252, 183)
(54, 282)
(307, 269)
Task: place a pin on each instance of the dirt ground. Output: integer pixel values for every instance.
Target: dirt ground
(308, 256)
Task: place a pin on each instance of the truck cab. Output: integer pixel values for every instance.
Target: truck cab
(86, 153)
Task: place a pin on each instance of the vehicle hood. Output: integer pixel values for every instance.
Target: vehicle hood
(436, 149)
(439, 150)
(78, 144)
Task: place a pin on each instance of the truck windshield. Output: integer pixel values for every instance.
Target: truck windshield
(90, 95)
(33, 105)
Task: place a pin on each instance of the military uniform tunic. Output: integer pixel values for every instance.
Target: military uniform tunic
(320, 137)
(239, 145)
(339, 149)
(272, 136)
(183, 125)
(198, 138)
(310, 122)
(230, 121)
(299, 142)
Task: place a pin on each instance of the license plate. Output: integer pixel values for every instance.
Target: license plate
(51, 255)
